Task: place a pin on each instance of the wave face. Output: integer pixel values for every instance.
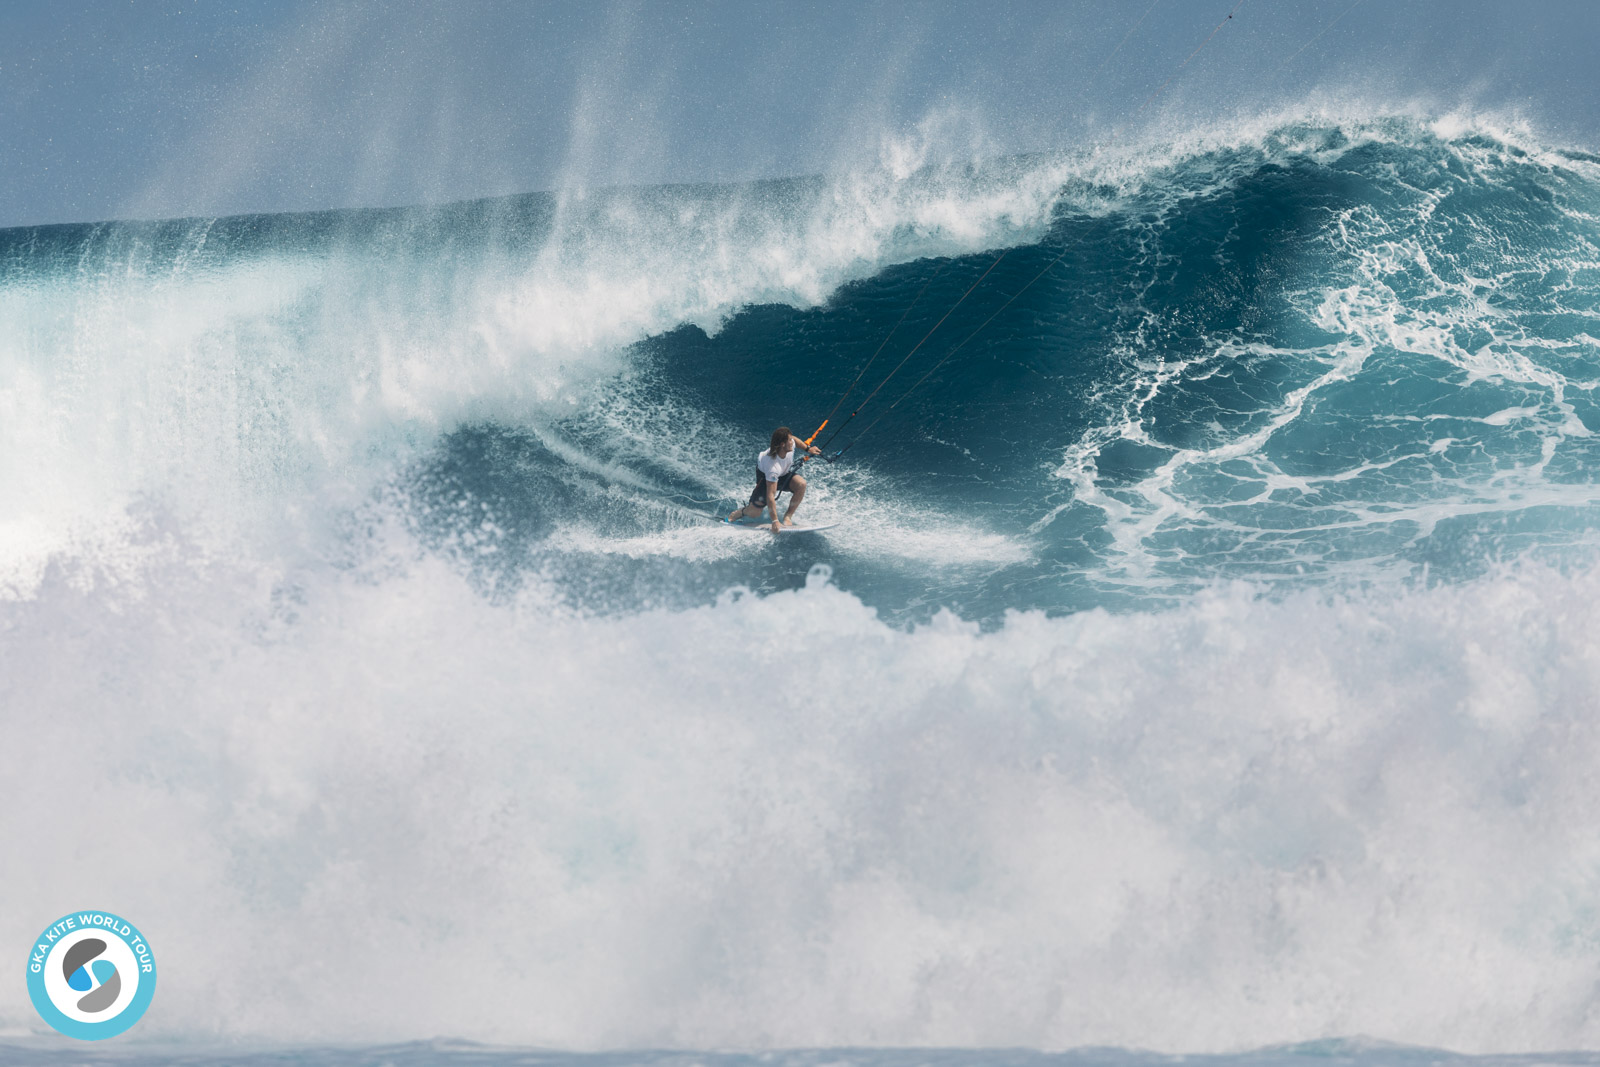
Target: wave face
(1324, 354)
(1205, 658)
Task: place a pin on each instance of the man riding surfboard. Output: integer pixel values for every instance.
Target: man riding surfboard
(777, 471)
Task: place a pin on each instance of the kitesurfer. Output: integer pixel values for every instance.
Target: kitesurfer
(777, 471)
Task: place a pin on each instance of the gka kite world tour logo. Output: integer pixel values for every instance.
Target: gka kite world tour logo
(91, 975)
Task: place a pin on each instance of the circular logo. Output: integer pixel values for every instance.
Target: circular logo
(91, 975)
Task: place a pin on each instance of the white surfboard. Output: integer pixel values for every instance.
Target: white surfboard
(765, 526)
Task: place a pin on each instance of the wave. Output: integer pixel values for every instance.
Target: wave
(1301, 352)
(1204, 661)
(223, 361)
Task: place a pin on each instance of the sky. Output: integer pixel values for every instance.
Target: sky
(151, 109)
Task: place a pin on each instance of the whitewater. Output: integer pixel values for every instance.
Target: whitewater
(1205, 661)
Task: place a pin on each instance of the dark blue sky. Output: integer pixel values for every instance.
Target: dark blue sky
(149, 109)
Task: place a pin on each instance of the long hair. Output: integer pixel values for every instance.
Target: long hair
(780, 437)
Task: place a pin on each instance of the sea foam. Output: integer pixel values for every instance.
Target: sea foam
(349, 806)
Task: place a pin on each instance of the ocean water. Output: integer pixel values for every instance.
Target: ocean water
(1205, 660)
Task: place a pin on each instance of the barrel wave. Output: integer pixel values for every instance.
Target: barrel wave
(1205, 658)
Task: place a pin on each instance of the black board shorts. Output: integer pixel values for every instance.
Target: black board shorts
(759, 497)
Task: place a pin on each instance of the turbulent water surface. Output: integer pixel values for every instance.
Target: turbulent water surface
(1205, 658)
